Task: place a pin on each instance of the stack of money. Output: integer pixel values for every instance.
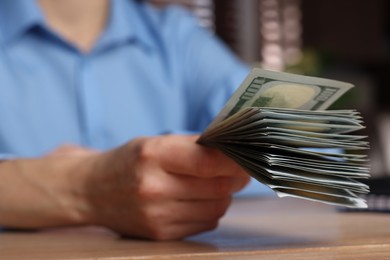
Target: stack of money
(276, 128)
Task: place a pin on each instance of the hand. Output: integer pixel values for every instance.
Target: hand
(161, 188)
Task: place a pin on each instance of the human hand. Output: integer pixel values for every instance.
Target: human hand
(161, 188)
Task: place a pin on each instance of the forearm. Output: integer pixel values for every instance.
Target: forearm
(37, 193)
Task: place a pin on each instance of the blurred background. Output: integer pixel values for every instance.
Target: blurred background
(344, 40)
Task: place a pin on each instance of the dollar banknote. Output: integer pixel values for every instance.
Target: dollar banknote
(277, 128)
(263, 88)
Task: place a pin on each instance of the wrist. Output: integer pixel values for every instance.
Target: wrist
(80, 174)
(44, 192)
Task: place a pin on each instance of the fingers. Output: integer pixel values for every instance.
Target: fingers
(181, 230)
(185, 170)
(181, 155)
(178, 211)
(202, 210)
(158, 183)
(192, 188)
(189, 218)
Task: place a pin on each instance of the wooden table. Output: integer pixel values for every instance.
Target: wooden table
(258, 228)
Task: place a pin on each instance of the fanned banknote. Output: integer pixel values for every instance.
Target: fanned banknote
(276, 127)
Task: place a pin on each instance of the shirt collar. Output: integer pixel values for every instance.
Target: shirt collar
(128, 21)
(17, 17)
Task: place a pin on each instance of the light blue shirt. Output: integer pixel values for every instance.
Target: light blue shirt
(151, 72)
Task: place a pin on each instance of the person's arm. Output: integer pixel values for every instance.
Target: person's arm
(160, 188)
(36, 193)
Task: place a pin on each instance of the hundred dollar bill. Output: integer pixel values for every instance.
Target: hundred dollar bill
(264, 88)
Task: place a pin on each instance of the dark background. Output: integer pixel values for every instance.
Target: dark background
(349, 39)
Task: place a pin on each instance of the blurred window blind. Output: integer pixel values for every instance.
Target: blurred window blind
(237, 23)
(266, 33)
(280, 33)
(203, 9)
